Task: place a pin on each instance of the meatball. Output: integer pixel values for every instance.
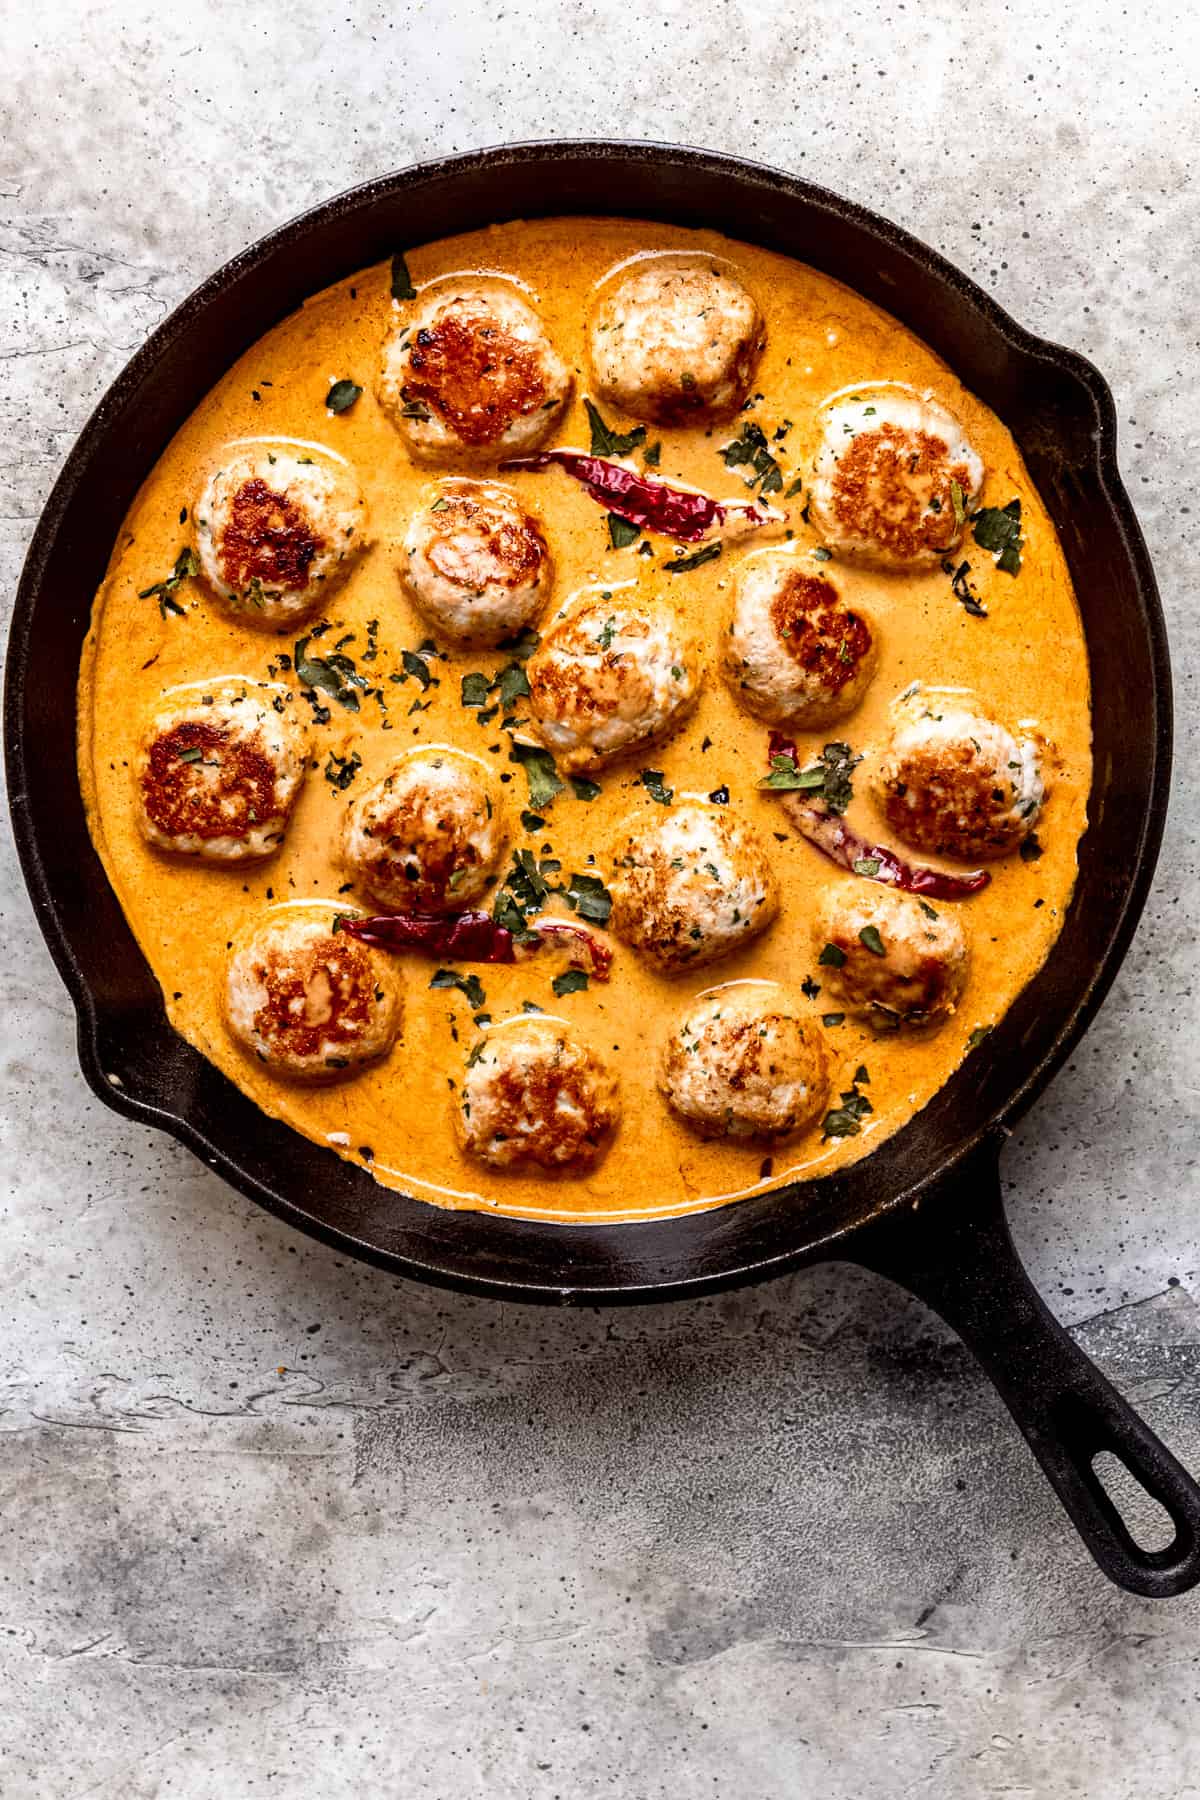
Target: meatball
(951, 780)
(310, 1002)
(217, 769)
(797, 653)
(473, 375)
(888, 956)
(691, 886)
(611, 675)
(894, 477)
(427, 836)
(533, 1092)
(278, 530)
(475, 562)
(744, 1062)
(675, 339)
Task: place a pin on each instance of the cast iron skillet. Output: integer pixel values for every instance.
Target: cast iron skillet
(925, 1208)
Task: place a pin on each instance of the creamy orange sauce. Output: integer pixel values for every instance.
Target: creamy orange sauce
(1026, 661)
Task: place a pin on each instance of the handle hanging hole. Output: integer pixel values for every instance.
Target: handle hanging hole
(1148, 1523)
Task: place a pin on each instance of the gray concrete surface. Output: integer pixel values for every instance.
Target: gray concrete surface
(781, 1544)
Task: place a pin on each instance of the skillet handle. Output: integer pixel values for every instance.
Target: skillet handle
(954, 1252)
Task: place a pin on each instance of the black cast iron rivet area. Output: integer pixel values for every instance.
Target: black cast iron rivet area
(924, 1209)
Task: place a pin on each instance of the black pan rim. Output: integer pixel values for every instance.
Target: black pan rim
(78, 469)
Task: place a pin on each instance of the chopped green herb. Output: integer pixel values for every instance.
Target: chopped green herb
(513, 684)
(846, 1119)
(621, 533)
(810, 988)
(334, 674)
(532, 821)
(652, 781)
(588, 896)
(192, 754)
(470, 985)
(797, 487)
(832, 957)
(571, 981)
(870, 940)
(342, 395)
(606, 441)
(867, 865)
(187, 567)
(681, 564)
(976, 1037)
(414, 664)
(822, 554)
(750, 449)
(963, 591)
(832, 1019)
(828, 778)
(540, 772)
(583, 788)
(341, 770)
(998, 529)
(475, 688)
(652, 455)
(1030, 850)
(402, 287)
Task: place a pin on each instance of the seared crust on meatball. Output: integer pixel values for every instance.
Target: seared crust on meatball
(952, 780)
(744, 1062)
(903, 961)
(532, 1092)
(217, 769)
(279, 527)
(675, 338)
(611, 676)
(473, 375)
(895, 477)
(691, 886)
(310, 1002)
(475, 562)
(429, 834)
(797, 652)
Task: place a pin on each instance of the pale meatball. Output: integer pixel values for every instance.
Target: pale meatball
(952, 780)
(217, 769)
(744, 1062)
(895, 477)
(690, 886)
(278, 530)
(428, 835)
(473, 376)
(475, 562)
(532, 1092)
(672, 340)
(611, 676)
(310, 1002)
(888, 956)
(798, 652)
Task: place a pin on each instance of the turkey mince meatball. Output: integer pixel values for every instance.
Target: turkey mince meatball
(610, 675)
(951, 780)
(744, 1062)
(889, 957)
(894, 477)
(217, 768)
(690, 886)
(428, 835)
(475, 562)
(472, 375)
(532, 1092)
(278, 529)
(797, 652)
(675, 339)
(311, 1003)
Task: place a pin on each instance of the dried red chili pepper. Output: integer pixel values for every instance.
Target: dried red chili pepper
(830, 834)
(650, 503)
(473, 937)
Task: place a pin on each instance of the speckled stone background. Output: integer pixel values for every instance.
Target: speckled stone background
(779, 1544)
